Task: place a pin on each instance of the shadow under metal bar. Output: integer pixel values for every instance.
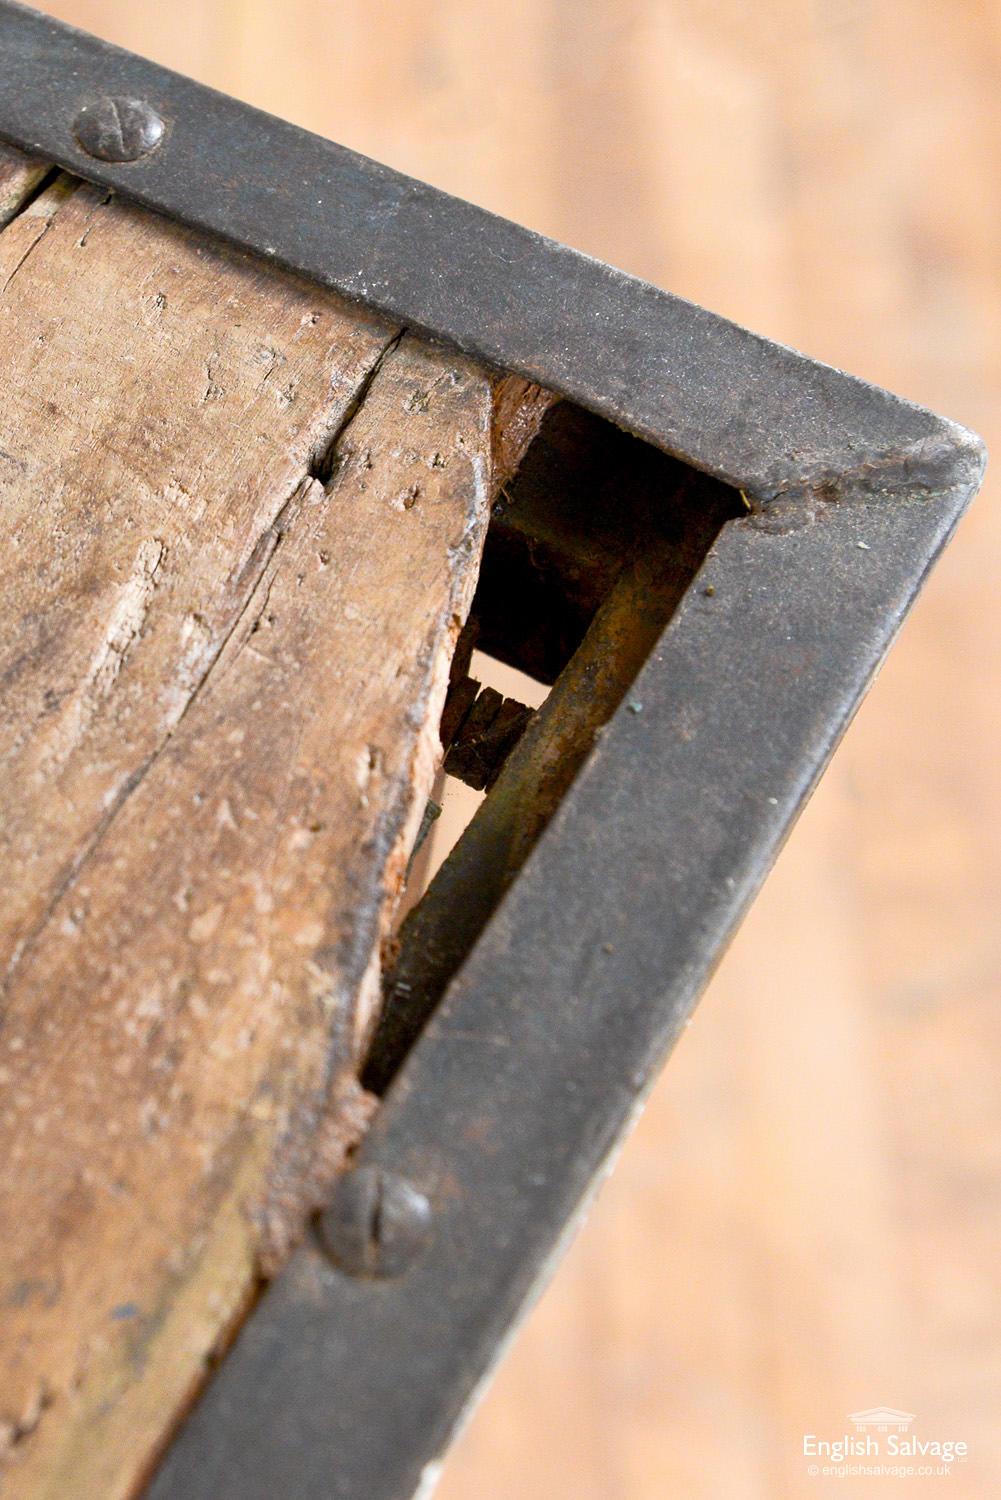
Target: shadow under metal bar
(552, 1027)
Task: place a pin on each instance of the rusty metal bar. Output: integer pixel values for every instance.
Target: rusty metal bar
(566, 991)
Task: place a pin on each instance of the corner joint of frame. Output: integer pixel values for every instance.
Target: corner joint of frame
(943, 467)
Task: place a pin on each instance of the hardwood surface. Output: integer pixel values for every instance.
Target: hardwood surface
(807, 1219)
(241, 526)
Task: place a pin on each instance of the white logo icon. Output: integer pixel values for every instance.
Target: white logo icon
(881, 1419)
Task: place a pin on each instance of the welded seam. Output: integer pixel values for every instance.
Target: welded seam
(945, 463)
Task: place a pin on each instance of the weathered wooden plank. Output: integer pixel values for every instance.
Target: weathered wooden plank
(241, 528)
(20, 176)
(161, 403)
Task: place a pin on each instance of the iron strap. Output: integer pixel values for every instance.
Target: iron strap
(511, 1101)
(749, 411)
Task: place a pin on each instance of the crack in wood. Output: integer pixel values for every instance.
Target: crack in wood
(225, 680)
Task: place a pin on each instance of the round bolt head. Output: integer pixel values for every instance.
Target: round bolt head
(377, 1223)
(117, 129)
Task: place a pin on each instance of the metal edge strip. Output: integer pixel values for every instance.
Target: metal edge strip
(755, 414)
(530, 1072)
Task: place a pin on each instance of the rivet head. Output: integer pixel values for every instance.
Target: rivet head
(377, 1223)
(118, 129)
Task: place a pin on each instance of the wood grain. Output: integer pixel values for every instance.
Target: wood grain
(19, 177)
(806, 1221)
(241, 531)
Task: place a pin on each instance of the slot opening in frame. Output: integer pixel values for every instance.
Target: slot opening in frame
(591, 548)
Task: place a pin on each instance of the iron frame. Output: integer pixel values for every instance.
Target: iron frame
(510, 1103)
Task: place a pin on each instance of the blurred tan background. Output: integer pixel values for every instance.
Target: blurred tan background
(808, 1219)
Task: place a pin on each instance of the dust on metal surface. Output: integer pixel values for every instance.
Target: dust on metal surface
(756, 415)
(588, 962)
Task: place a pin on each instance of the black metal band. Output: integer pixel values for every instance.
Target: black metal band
(746, 410)
(510, 1102)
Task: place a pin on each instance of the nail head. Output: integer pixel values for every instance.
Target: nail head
(118, 129)
(377, 1223)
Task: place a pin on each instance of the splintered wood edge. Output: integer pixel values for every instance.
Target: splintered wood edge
(123, 1410)
(20, 176)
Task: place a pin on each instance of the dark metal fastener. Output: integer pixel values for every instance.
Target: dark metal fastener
(377, 1223)
(117, 129)
(656, 848)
